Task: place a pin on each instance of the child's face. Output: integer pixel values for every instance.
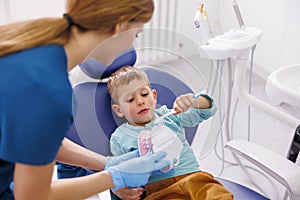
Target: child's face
(136, 102)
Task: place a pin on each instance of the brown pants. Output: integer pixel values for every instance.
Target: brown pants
(194, 186)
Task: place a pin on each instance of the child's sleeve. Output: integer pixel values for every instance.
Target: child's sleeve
(195, 116)
(115, 146)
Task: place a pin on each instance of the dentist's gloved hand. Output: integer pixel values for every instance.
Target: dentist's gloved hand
(115, 160)
(136, 172)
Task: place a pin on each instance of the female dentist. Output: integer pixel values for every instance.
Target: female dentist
(36, 101)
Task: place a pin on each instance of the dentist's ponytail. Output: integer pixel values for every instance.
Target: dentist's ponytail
(85, 15)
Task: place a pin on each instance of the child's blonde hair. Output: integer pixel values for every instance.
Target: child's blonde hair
(122, 77)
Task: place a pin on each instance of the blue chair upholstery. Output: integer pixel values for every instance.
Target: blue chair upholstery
(94, 121)
(241, 192)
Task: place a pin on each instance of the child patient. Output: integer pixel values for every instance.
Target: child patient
(134, 99)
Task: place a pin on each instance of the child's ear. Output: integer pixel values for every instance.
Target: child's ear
(116, 108)
(154, 93)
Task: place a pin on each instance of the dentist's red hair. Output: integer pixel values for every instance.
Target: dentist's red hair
(102, 15)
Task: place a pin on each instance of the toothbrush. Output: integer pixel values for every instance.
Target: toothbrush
(160, 119)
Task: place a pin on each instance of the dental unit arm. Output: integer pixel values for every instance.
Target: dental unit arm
(237, 44)
(238, 14)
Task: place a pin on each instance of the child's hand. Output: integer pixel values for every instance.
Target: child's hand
(183, 103)
(186, 101)
(127, 193)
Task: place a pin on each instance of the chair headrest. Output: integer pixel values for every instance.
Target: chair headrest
(94, 69)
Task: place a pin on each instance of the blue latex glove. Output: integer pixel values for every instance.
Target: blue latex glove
(136, 172)
(159, 172)
(115, 160)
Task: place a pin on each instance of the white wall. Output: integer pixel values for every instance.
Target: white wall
(279, 20)
(186, 12)
(4, 11)
(14, 10)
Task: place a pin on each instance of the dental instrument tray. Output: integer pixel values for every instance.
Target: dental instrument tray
(232, 43)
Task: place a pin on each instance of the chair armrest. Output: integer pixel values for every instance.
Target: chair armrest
(279, 167)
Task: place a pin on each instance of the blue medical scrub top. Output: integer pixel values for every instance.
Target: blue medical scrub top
(35, 109)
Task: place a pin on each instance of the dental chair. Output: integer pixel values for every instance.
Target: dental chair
(94, 121)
